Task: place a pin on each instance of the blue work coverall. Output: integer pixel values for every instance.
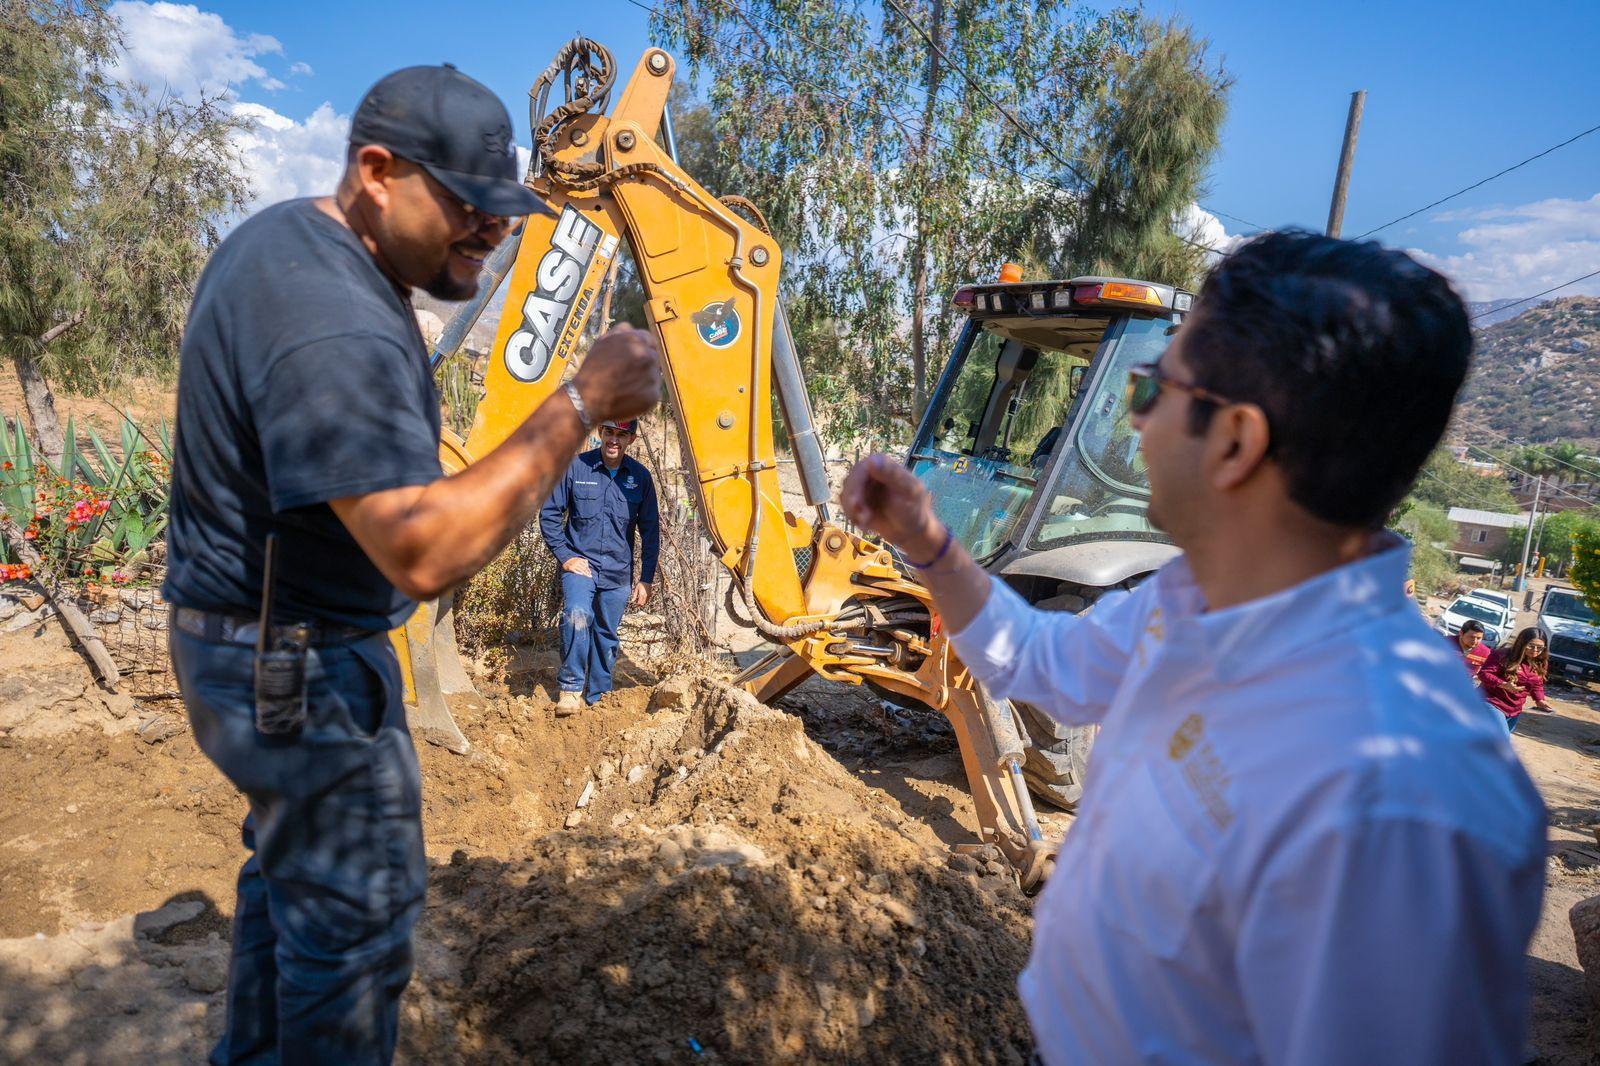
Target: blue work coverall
(592, 514)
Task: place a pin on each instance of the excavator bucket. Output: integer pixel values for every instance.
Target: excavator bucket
(430, 664)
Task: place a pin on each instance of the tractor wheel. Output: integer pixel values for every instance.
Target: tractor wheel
(1058, 759)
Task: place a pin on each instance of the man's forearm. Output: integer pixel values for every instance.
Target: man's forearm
(433, 538)
(483, 507)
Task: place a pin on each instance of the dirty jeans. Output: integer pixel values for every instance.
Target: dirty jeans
(589, 620)
(327, 900)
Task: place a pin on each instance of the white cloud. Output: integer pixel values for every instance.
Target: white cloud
(180, 49)
(1521, 250)
(1202, 227)
(285, 159)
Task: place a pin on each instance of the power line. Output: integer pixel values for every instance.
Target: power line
(1535, 296)
(1477, 184)
(1552, 488)
(1006, 113)
(970, 81)
(996, 104)
(910, 123)
(1242, 221)
(1442, 483)
(1589, 472)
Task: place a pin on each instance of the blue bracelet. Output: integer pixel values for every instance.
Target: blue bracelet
(949, 539)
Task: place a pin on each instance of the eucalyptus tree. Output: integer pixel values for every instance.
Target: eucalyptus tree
(109, 203)
(903, 149)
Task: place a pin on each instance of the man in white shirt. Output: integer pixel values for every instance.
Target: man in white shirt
(1304, 837)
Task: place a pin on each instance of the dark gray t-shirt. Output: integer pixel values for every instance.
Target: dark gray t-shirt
(303, 379)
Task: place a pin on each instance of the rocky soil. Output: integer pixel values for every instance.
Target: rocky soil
(680, 875)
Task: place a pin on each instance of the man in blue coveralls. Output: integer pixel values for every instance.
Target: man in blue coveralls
(589, 522)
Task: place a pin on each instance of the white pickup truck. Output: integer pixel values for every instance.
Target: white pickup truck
(1495, 618)
(1574, 633)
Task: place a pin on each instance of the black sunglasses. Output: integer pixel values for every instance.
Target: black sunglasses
(481, 219)
(1144, 388)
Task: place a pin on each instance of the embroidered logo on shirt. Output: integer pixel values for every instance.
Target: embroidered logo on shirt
(1202, 769)
(631, 483)
(1186, 736)
(1156, 630)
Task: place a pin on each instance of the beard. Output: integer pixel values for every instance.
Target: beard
(442, 286)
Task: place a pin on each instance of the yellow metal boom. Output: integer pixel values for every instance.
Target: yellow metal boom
(835, 604)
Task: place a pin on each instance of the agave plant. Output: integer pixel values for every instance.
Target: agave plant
(97, 513)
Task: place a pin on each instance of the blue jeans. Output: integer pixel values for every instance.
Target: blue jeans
(327, 900)
(589, 620)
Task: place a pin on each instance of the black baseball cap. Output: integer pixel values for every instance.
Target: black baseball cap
(452, 127)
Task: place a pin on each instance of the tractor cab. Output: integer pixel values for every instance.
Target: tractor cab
(1026, 444)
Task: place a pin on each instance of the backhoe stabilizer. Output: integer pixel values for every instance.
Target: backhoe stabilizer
(431, 669)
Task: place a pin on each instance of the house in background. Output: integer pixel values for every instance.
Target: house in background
(1483, 534)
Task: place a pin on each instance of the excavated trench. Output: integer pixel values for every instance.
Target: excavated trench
(726, 890)
(678, 875)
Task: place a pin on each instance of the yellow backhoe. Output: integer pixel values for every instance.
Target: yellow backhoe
(1025, 442)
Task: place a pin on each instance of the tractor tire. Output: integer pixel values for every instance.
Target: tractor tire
(1058, 760)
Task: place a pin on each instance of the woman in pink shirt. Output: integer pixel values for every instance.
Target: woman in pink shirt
(1513, 674)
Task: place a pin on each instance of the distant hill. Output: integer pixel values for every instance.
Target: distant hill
(1485, 313)
(482, 335)
(1536, 376)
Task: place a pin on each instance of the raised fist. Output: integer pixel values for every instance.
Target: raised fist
(621, 376)
(882, 496)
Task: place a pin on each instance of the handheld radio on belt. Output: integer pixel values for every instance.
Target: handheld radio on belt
(280, 663)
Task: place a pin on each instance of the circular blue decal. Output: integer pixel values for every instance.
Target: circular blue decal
(717, 323)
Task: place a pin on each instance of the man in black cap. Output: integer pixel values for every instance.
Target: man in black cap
(306, 410)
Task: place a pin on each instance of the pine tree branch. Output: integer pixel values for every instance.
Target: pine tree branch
(61, 327)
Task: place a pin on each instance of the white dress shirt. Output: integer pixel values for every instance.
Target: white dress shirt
(1304, 837)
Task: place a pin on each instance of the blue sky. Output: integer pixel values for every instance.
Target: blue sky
(1456, 92)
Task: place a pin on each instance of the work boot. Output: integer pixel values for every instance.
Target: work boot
(568, 703)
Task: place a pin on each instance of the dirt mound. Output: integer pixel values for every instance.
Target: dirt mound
(727, 891)
(676, 874)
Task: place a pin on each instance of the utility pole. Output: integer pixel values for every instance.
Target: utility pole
(1347, 157)
(1527, 538)
(919, 247)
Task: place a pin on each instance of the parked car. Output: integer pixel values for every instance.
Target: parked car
(1574, 633)
(1497, 619)
(1495, 596)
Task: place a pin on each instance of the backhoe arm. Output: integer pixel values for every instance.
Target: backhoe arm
(838, 605)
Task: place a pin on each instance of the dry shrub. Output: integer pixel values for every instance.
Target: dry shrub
(515, 599)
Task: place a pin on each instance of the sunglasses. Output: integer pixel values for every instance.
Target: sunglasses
(1144, 389)
(480, 219)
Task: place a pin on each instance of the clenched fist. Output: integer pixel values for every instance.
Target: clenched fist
(621, 376)
(882, 496)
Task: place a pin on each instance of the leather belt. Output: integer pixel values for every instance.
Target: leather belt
(240, 629)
